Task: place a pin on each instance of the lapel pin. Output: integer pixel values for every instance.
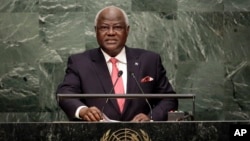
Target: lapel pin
(136, 63)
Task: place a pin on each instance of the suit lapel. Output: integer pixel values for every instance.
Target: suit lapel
(133, 66)
(101, 69)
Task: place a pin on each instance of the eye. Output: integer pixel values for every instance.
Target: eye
(118, 28)
(103, 28)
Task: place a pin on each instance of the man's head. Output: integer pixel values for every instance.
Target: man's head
(112, 28)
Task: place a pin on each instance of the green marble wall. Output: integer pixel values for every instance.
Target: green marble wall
(205, 47)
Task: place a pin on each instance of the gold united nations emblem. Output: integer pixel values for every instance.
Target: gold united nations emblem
(125, 134)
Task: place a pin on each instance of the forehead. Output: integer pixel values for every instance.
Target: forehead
(111, 15)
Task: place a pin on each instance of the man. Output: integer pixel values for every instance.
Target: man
(90, 72)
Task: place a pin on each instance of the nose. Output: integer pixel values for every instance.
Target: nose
(111, 31)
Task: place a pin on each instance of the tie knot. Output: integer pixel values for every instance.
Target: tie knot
(113, 60)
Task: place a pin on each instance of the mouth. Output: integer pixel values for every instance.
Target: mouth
(111, 41)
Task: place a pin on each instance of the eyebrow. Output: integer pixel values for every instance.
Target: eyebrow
(113, 24)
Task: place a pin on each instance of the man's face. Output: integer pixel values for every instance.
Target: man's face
(111, 31)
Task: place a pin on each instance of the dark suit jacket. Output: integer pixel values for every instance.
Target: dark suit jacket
(88, 73)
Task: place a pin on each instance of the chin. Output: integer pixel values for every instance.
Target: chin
(111, 46)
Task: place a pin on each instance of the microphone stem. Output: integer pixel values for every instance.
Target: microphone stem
(150, 108)
(119, 75)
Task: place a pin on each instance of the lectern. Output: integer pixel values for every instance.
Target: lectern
(124, 131)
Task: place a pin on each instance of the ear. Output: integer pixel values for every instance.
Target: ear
(128, 28)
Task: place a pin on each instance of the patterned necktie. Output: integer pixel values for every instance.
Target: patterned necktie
(118, 87)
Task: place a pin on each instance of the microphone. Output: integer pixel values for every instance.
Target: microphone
(139, 86)
(112, 90)
(119, 75)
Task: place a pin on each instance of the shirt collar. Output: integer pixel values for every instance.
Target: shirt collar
(121, 57)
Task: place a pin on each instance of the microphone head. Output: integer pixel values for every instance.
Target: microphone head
(120, 73)
(132, 74)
